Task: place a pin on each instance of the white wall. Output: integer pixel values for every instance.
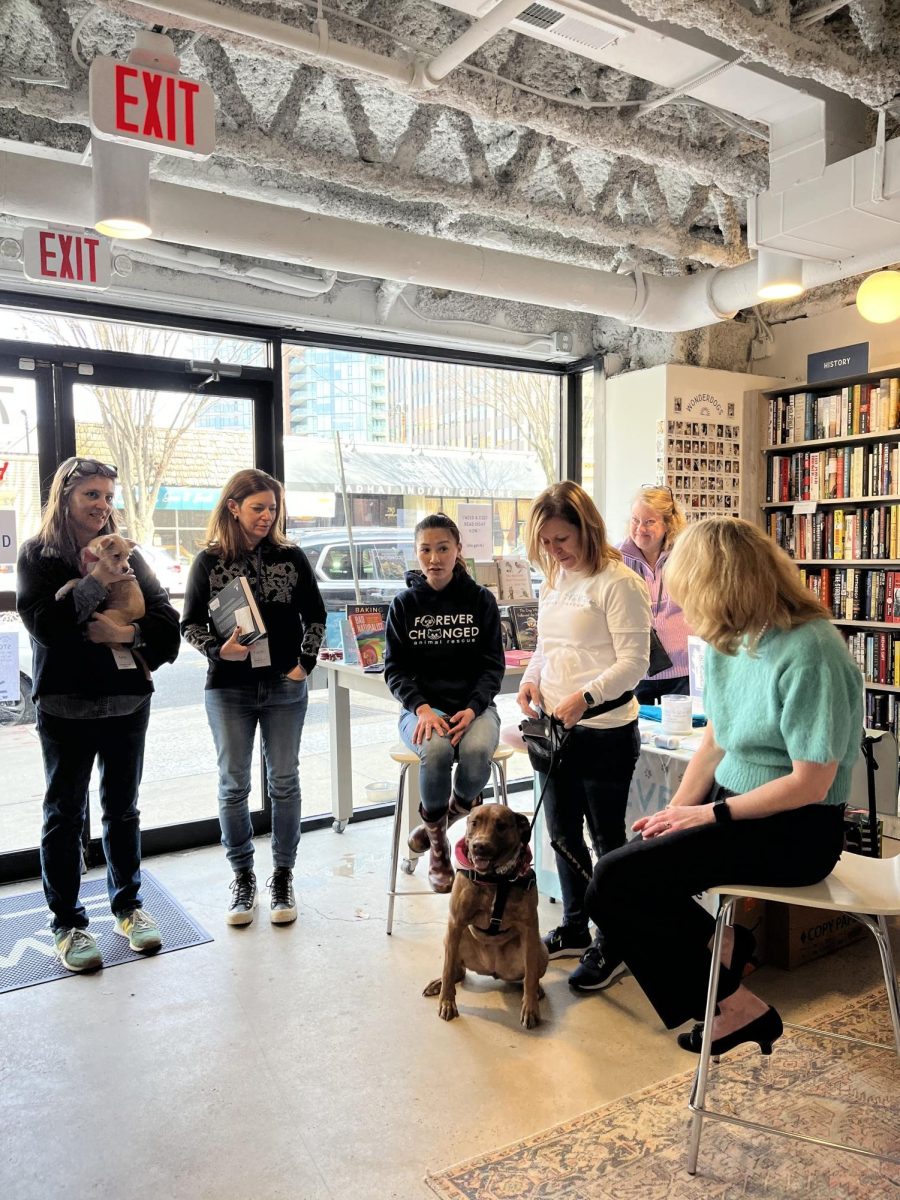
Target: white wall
(841, 327)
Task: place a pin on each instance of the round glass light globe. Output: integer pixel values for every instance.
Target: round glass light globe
(878, 298)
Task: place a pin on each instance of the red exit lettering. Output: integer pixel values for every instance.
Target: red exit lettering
(68, 256)
(163, 102)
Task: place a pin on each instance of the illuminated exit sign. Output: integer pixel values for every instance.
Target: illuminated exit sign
(142, 106)
(71, 257)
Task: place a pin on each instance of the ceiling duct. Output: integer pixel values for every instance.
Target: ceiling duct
(587, 31)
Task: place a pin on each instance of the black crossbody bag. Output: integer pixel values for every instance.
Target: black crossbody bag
(545, 736)
(659, 658)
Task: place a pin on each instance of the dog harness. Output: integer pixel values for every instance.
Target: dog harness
(518, 873)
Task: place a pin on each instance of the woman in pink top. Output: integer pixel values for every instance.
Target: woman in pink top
(656, 520)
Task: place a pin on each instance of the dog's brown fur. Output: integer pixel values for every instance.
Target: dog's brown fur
(494, 835)
(125, 600)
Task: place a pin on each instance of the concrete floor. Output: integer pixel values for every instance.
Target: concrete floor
(302, 1062)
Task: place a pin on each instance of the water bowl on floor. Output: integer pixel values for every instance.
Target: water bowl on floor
(382, 792)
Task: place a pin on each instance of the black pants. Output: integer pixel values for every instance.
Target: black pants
(591, 785)
(642, 895)
(649, 691)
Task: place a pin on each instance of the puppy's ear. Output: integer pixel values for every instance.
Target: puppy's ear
(524, 828)
(131, 545)
(106, 541)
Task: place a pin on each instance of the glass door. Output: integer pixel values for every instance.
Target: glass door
(174, 448)
(174, 443)
(20, 510)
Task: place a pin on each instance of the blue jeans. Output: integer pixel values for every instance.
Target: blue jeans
(473, 754)
(278, 706)
(69, 748)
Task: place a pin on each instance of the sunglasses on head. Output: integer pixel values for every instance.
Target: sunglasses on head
(90, 466)
(659, 487)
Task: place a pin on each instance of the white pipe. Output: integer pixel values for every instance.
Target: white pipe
(204, 12)
(473, 39)
(41, 189)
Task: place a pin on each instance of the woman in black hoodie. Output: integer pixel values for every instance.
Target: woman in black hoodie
(444, 663)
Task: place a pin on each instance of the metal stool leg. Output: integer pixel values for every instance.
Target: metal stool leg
(498, 770)
(882, 937)
(395, 848)
(701, 1079)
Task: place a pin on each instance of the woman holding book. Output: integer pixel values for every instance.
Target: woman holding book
(762, 799)
(92, 691)
(592, 650)
(656, 520)
(444, 663)
(262, 684)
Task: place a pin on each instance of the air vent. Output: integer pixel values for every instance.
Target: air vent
(540, 17)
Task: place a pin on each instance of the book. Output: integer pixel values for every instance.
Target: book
(515, 578)
(508, 632)
(348, 644)
(524, 619)
(517, 658)
(235, 605)
(368, 629)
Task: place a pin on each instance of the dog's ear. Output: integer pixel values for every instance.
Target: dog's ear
(130, 544)
(524, 828)
(104, 543)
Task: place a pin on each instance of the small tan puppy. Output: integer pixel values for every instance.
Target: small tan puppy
(493, 927)
(125, 600)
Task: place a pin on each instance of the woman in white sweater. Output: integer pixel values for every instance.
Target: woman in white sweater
(592, 650)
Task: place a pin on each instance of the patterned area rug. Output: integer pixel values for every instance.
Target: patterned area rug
(636, 1148)
(27, 954)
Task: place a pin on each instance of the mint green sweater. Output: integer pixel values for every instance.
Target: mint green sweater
(799, 699)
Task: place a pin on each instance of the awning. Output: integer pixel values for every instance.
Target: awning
(184, 499)
(310, 464)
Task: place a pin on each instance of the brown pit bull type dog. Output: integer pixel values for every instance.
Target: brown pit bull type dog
(493, 927)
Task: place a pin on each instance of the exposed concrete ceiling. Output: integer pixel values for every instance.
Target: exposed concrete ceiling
(526, 146)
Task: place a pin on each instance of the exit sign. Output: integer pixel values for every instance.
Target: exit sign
(71, 257)
(142, 106)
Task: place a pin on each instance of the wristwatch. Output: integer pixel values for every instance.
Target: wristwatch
(721, 811)
(590, 700)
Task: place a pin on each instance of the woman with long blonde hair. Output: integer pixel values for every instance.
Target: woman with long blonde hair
(263, 684)
(592, 649)
(655, 522)
(762, 799)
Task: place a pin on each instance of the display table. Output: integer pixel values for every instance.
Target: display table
(655, 780)
(342, 680)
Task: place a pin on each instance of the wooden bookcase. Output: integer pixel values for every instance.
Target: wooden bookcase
(831, 498)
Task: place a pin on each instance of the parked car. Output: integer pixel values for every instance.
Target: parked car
(383, 556)
(171, 574)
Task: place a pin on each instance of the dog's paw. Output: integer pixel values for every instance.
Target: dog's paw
(433, 988)
(448, 1010)
(530, 1014)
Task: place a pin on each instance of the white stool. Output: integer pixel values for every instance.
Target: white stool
(409, 759)
(867, 889)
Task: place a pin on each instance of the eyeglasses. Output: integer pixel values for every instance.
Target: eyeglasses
(90, 466)
(659, 487)
(651, 524)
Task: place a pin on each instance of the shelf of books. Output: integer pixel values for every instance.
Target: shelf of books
(832, 502)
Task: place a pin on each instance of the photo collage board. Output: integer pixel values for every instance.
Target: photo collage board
(699, 454)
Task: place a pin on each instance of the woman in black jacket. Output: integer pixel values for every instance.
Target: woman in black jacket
(444, 663)
(93, 702)
(260, 685)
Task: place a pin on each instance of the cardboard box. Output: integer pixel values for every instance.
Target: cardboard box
(796, 935)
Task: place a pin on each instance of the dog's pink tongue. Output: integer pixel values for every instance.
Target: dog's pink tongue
(480, 861)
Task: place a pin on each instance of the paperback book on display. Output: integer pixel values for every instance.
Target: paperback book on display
(369, 632)
(235, 605)
(524, 618)
(515, 578)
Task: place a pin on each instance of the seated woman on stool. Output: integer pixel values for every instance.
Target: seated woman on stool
(761, 801)
(444, 663)
(656, 520)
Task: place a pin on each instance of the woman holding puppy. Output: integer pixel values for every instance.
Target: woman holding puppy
(444, 663)
(93, 702)
(263, 685)
(592, 650)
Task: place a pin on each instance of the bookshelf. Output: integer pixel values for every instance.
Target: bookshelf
(831, 453)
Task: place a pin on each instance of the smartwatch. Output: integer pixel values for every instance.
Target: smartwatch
(721, 811)
(590, 700)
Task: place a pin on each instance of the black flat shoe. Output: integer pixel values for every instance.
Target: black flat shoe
(765, 1031)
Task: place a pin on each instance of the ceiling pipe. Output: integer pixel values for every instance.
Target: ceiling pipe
(42, 189)
(473, 39)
